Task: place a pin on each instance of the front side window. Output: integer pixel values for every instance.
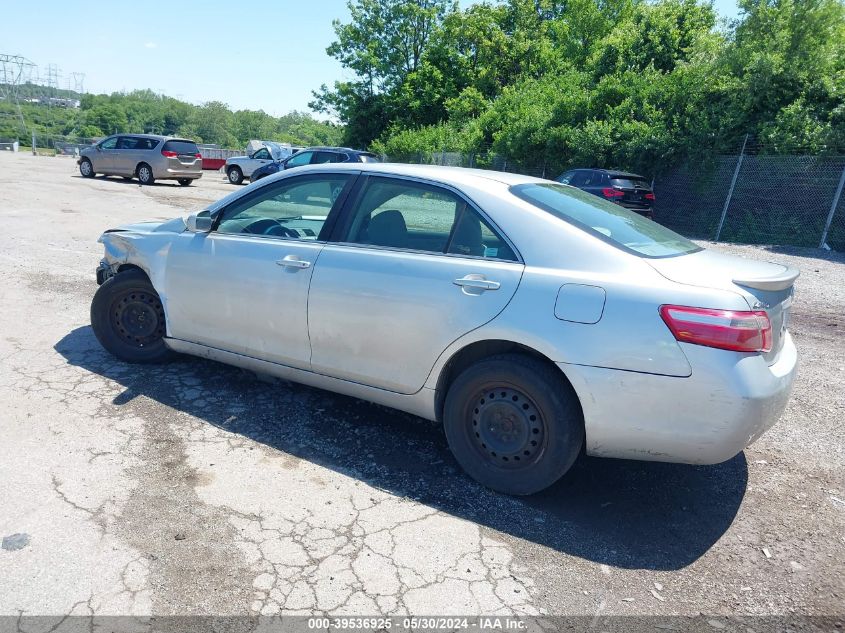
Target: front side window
(109, 143)
(579, 178)
(294, 208)
(297, 160)
(566, 178)
(607, 221)
(396, 213)
(262, 154)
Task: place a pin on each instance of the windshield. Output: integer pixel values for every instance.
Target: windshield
(605, 220)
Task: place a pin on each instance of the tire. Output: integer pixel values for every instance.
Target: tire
(186, 182)
(86, 169)
(128, 319)
(145, 174)
(526, 436)
(235, 175)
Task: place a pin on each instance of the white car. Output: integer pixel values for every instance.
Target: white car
(239, 168)
(531, 318)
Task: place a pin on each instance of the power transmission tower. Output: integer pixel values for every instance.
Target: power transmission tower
(79, 82)
(52, 80)
(14, 71)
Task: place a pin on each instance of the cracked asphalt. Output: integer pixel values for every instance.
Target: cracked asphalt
(196, 488)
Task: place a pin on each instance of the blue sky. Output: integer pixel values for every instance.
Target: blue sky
(266, 55)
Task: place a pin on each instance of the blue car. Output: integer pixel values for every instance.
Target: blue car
(315, 156)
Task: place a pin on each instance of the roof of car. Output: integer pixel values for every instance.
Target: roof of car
(611, 172)
(448, 175)
(157, 137)
(335, 149)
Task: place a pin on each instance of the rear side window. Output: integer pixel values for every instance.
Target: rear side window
(409, 215)
(181, 147)
(369, 158)
(327, 157)
(607, 221)
(146, 143)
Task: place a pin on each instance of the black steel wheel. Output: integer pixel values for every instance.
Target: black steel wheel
(513, 423)
(507, 427)
(128, 318)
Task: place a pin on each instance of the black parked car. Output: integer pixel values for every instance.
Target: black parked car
(629, 190)
(315, 156)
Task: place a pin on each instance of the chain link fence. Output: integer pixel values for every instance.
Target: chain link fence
(750, 198)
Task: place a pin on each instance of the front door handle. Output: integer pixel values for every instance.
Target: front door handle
(292, 261)
(477, 282)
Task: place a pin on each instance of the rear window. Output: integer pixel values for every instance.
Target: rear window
(181, 147)
(369, 158)
(630, 183)
(607, 221)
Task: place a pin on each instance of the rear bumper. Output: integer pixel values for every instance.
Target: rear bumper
(728, 402)
(172, 172)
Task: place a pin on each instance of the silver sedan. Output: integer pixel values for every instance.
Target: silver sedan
(532, 319)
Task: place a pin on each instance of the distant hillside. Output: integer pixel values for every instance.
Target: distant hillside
(145, 111)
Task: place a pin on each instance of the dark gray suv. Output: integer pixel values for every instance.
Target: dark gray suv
(144, 156)
(628, 190)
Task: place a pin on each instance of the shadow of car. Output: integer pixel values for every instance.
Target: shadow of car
(635, 515)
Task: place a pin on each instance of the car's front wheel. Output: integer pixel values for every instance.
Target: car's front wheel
(86, 169)
(513, 423)
(128, 319)
(145, 174)
(235, 175)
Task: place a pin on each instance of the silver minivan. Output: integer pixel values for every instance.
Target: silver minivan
(146, 156)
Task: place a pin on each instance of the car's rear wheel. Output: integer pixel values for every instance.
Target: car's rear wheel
(86, 169)
(513, 423)
(185, 181)
(128, 319)
(145, 174)
(235, 175)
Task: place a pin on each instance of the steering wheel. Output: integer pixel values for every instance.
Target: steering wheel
(269, 226)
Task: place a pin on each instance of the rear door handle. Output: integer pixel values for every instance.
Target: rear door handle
(477, 282)
(292, 261)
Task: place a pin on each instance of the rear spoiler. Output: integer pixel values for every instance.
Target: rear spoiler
(779, 281)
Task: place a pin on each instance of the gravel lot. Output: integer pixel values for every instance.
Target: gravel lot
(196, 488)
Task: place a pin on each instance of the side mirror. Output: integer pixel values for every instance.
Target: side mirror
(99, 149)
(199, 222)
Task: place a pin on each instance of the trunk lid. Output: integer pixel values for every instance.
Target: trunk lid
(764, 285)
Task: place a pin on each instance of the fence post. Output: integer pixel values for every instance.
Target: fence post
(34, 153)
(833, 208)
(731, 190)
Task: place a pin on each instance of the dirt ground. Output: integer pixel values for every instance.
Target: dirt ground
(196, 488)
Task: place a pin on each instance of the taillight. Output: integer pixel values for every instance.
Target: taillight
(735, 330)
(649, 196)
(168, 153)
(197, 155)
(607, 192)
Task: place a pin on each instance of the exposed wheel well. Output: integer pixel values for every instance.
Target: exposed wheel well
(125, 267)
(479, 350)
